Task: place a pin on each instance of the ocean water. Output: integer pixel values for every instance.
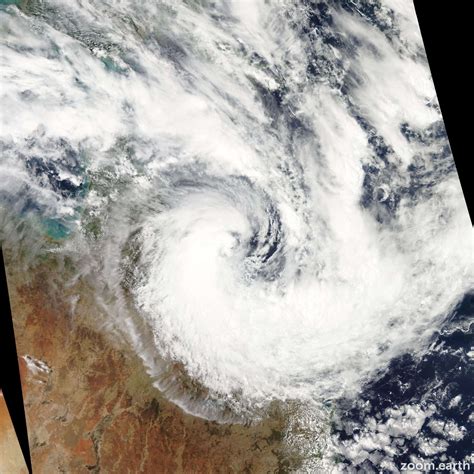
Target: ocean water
(263, 196)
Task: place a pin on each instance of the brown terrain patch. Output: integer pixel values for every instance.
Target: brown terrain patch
(11, 457)
(91, 407)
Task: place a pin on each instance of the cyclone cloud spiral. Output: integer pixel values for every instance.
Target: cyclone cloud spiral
(263, 192)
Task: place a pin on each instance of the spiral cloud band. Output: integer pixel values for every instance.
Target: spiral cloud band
(262, 191)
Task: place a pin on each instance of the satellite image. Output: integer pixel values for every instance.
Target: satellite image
(235, 239)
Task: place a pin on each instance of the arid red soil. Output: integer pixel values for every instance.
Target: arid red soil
(91, 407)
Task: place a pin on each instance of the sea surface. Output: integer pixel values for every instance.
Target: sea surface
(262, 198)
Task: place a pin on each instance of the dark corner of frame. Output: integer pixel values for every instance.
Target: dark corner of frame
(445, 29)
(10, 381)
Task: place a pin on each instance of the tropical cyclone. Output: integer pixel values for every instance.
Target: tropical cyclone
(261, 193)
